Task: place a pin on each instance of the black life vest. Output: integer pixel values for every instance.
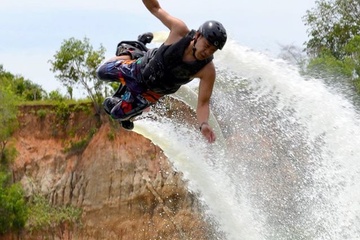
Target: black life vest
(163, 69)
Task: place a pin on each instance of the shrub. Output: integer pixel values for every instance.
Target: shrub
(13, 208)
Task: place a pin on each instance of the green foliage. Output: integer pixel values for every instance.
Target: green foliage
(62, 113)
(70, 91)
(41, 113)
(13, 208)
(47, 218)
(55, 95)
(8, 155)
(332, 24)
(23, 88)
(27, 90)
(8, 113)
(75, 64)
(352, 49)
(13, 213)
(327, 64)
(79, 146)
(334, 45)
(111, 136)
(8, 120)
(78, 107)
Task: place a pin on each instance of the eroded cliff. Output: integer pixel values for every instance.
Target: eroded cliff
(124, 184)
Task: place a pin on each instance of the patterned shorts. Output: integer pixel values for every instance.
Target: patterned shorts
(127, 72)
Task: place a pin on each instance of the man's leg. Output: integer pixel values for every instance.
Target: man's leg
(130, 106)
(109, 103)
(123, 105)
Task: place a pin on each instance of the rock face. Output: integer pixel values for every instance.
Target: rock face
(124, 184)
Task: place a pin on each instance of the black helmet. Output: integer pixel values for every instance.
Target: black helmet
(214, 32)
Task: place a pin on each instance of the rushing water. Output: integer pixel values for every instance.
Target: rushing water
(287, 161)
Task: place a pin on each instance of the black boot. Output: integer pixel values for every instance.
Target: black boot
(109, 103)
(128, 125)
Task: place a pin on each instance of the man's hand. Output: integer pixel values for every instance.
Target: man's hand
(207, 132)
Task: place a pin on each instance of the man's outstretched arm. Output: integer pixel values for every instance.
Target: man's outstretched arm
(207, 79)
(176, 26)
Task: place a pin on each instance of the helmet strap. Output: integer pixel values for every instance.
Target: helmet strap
(194, 48)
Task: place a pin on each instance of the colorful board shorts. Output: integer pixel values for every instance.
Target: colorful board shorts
(127, 72)
(137, 97)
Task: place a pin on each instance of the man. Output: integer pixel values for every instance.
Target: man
(184, 55)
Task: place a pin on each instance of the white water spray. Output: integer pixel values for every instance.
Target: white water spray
(291, 165)
(191, 156)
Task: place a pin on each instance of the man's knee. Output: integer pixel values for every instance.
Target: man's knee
(108, 72)
(100, 72)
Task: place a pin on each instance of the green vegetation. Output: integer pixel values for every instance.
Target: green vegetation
(62, 113)
(334, 44)
(16, 213)
(13, 208)
(20, 87)
(36, 215)
(46, 218)
(41, 113)
(8, 114)
(79, 146)
(111, 135)
(75, 65)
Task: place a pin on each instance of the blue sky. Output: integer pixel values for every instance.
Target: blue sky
(31, 31)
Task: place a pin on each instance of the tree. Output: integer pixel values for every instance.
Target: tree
(27, 89)
(334, 31)
(56, 96)
(332, 24)
(13, 208)
(352, 59)
(75, 64)
(8, 117)
(20, 86)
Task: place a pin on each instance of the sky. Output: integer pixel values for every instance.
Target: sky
(31, 31)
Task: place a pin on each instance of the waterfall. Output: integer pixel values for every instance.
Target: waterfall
(287, 161)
